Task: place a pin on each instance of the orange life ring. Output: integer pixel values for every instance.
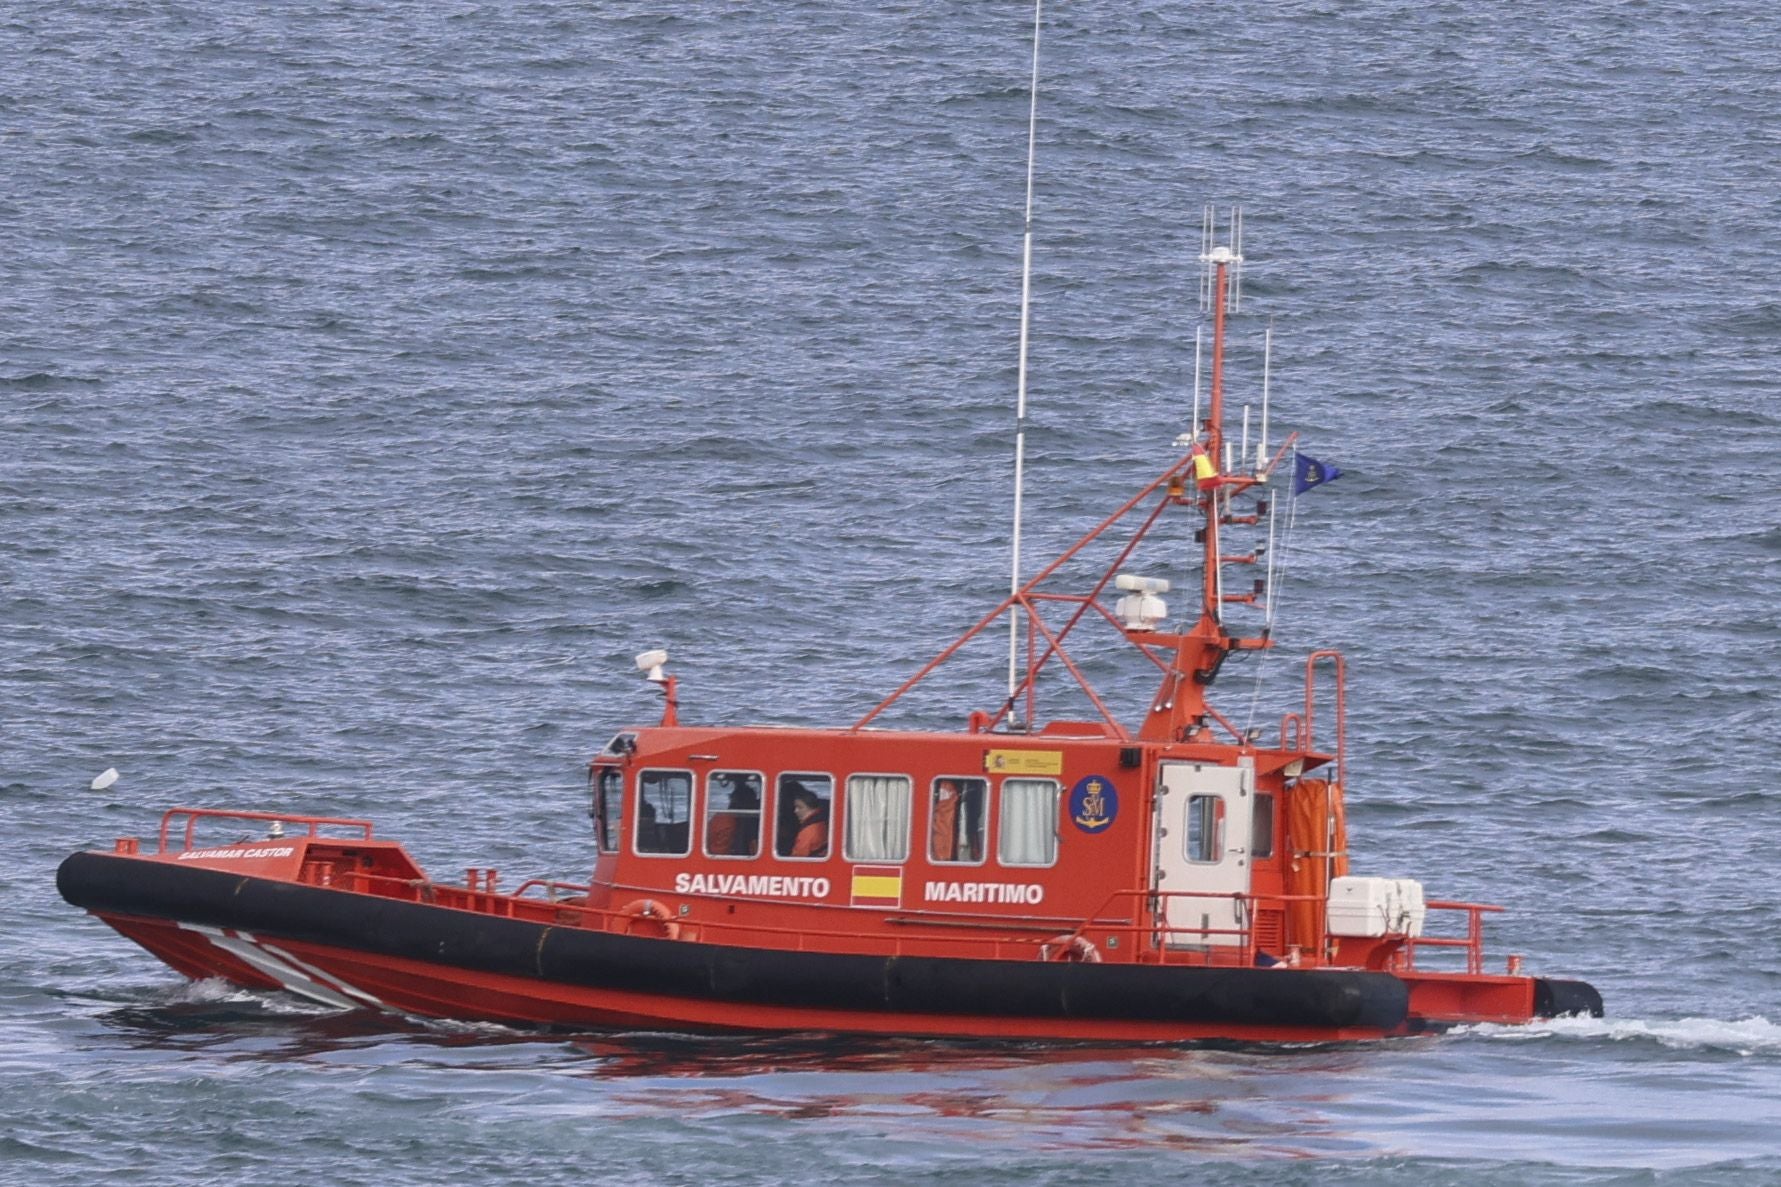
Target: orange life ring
(647, 917)
(1070, 947)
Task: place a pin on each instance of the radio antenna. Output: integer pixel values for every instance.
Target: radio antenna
(1236, 229)
(1193, 428)
(1020, 406)
(1261, 447)
(1208, 219)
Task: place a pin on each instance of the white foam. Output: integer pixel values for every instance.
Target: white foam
(210, 989)
(215, 990)
(1744, 1036)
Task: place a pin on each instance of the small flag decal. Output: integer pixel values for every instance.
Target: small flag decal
(1023, 762)
(877, 886)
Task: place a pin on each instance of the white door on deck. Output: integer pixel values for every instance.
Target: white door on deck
(1202, 852)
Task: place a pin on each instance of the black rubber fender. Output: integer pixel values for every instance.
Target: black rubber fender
(1566, 999)
(1319, 999)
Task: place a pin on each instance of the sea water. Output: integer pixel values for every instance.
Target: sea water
(376, 379)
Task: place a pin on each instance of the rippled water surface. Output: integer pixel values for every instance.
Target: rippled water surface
(376, 379)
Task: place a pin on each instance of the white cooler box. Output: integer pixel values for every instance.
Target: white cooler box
(1376, 907)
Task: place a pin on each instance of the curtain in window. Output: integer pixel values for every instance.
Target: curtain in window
(1029, 822)
(877, 818)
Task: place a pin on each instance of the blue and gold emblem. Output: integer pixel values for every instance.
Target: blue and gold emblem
(1094, 802)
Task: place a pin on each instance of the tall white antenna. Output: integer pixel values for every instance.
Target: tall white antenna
(1217, 583)
(1193, 427)
(1233, 299)
(1020, 409)
(1208, 231)
(1268, 617)
(1237, 263)
(1261, 447)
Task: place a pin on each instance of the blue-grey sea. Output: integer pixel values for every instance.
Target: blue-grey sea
(378, 377)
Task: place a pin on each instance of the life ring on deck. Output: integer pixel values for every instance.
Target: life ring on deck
(646, 917)
(1074, 949)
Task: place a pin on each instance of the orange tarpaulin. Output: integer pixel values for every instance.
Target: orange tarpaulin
(1317, 850)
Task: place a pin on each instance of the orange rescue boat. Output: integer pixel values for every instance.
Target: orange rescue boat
(1179, 878)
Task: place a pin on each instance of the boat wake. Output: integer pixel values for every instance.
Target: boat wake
(216, 992)
(1745, 1036)
(210, 989)
(213, 999)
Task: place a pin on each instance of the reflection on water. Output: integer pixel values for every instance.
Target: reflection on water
(1578, 1092)
(1032, 1095)
(1026, 1095)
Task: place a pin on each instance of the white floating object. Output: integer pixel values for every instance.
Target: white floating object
(106, 778)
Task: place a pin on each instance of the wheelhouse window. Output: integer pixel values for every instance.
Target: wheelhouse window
(664, 813)
(878, 817)
(733, 814)
(620, 746)
(1029, 822)
(1205, 828)
(609, 806)
(801, 819)
(1261, 833)
(955, 820)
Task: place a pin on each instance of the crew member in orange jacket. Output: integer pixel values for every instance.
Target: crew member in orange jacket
(943, 843)
(813, 824)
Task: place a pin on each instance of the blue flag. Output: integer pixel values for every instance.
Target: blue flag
(1309, 472)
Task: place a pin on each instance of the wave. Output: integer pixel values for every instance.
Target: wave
(1755, 1035)
(46, 381)
(214, 991)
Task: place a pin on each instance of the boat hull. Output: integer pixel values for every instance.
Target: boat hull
(354, 949)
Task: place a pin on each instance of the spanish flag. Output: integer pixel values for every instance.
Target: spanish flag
(877, 886)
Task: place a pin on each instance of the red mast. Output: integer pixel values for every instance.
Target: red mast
(1179, 710)
(1199, 483)
(1220, 259)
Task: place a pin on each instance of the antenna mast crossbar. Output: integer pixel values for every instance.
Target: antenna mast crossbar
(1086, 601)
(1023, 596)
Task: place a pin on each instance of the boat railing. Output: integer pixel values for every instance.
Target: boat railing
(644, 916)
(310, 826)
(1197, 939)
(555, 890)
(938, 931)
(1248, 908)
(561, 903)
(1472, 943)
(1339, 687)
